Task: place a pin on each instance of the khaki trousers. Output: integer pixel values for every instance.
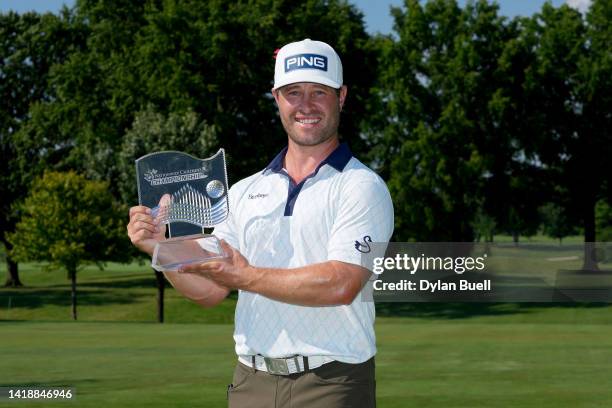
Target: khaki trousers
(333, 385)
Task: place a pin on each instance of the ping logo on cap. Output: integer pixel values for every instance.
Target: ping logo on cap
(306, 61)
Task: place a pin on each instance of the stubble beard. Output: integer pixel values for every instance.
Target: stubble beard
(322, 136)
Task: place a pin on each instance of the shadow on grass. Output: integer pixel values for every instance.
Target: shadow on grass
(80, 321)
(124, 281)
(468, 310)
(119, 284)
(39, 298)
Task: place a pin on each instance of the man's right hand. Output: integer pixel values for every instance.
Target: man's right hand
(144, 230)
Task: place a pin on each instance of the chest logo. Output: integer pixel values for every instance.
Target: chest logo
(364, 247)
(258, 195)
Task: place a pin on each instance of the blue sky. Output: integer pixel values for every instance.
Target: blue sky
(376, 12)
(378, 19)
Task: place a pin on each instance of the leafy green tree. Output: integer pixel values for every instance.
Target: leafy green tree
(31, 45)
(596, 92)
(68, 222)
(555, 223)
(153, 131)
(181, 55)
(439, 142)
(523, 194)
(483, 226)
(79, 122)
(571, 85)
(516, 182)
(603, 221)
(188, 55)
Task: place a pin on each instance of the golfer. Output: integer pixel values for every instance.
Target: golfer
(295, 237)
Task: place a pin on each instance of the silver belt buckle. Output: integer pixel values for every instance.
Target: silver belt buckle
(277, 366)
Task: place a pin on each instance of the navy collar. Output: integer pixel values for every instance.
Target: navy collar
(337, 159)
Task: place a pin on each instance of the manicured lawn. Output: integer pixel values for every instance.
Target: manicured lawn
(118, 293)
(121, 364)
(513, 360)
(430, 355)
(461, 364)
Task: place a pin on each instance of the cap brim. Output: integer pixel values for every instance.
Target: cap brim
(306, 77)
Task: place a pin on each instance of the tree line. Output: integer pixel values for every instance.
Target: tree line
(479, 123)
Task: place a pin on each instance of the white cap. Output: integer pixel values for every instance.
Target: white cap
(308, 61)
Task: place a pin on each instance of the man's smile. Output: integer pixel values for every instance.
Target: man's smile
(305, 120)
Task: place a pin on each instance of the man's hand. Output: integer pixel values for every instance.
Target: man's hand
(233, 272)
(144, 230)
(327, 283)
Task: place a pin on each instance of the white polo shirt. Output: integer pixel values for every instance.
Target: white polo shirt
(277, 224)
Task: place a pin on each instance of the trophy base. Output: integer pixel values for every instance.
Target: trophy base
(171, 254)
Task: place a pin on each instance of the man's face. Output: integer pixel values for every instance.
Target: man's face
(310, 112)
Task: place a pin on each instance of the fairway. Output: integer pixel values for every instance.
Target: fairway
(494, 365)
(429, 355)
(492, 361)
(413, 186)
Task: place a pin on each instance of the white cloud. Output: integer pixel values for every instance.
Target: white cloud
(581, 5)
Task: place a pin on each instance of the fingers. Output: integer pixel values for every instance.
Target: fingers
(136, 226)
(142, 226)
(201, 269)
(143, 221)
(189, 269)
(139, 209)
(165, 200)
(140, 236)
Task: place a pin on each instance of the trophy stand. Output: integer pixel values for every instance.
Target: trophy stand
(187, 194)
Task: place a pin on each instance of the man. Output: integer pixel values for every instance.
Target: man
(295, 236)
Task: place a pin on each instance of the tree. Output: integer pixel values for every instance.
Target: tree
(439, 143)
(180, 55)
(515, 187)
(571, 84)
(69, 221)
(603, 221)
(484, 226)
(153, 131)
(31, 45)
(555, 222)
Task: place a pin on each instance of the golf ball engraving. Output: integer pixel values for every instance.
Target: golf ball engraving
(215, 189)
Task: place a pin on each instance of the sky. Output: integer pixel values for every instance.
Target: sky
(376, 12)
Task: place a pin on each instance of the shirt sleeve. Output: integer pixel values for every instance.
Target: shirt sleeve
(364, 215)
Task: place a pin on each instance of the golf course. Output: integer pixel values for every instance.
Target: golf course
(429, 354)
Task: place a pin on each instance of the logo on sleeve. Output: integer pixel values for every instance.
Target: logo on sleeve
(364, 247)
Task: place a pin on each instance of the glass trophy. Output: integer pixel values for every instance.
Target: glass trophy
(187, 194)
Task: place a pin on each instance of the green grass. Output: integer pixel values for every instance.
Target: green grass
(506, 361)
(121, 364)
(429, 355)
(540, 238)
(494, 365)
(118, 293)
